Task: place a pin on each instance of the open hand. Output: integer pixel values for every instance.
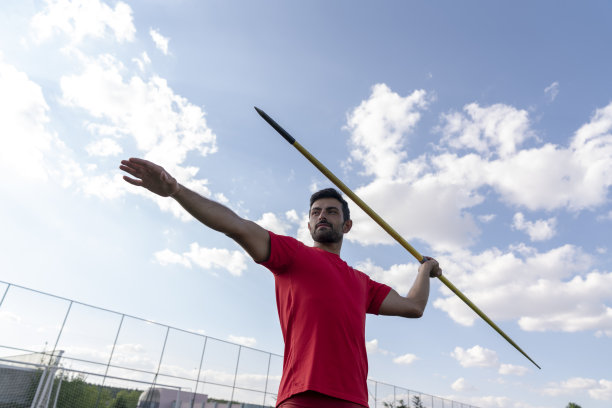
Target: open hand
(150, 176)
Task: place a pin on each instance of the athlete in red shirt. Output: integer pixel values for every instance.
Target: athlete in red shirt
(321, 300)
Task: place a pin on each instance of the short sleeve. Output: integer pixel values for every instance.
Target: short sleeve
(377, 292)
(282, 253)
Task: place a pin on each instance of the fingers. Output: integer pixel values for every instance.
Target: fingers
(133, 171)
(435, 270)
(136, 160)
(133, 181)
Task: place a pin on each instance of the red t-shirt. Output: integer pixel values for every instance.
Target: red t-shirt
(322, 303)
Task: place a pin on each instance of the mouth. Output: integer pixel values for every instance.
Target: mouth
(322, 224)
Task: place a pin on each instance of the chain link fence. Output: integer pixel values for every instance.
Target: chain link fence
(60, 353)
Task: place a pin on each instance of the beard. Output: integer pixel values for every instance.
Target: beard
(327, 235)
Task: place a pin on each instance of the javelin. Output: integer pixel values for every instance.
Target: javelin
(384, 225)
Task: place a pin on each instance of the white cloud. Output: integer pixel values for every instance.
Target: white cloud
(143, 61)
(405, 359)
(553, 290)
(486, 218)
(165, 126)
(24, 138)
(206, 258)
(577, 384)
(510, 369)
(372, 347)
(552, 91)
(575, 177)
(476, 356)
(436, 212)
(399, 276)
(245, 341)
(273, 223)
(160, 41)
(482, 148)
(104, 147)
(603, 391)
(28, 148)
(497, 129)
(78, 19)
(461, 385)
(292, 216)
(167, 257)
(539, 230)
(378, 128)
(10, 317)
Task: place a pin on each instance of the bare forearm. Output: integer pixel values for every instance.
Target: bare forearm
(250, 236)
(414, 303)
(253, 238)
(210, 213)
(419, 292)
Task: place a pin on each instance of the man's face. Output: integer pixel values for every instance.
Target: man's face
(326, 223)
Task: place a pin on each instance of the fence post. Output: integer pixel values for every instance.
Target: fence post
(235, 376)
(161, 356)
(199, 371)
(38, 389)
(375, 394)
(5, 292)
(267, 377)
(110, 358)
(62, 328)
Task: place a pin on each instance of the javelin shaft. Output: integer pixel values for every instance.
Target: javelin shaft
(384, 225)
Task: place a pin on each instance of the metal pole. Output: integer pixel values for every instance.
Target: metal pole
(161, 356)
(59, 386)
(267, 377)
(235, 376)
(394, 395)
(375, 394)
(61, 329)
(199, 371)
(383, 224)
(5, 292)
(110, 358)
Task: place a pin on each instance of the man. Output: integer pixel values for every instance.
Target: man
(321, 301)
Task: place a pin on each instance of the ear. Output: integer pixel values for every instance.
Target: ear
(346, 227)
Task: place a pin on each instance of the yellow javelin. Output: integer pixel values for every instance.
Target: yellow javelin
(384, 225)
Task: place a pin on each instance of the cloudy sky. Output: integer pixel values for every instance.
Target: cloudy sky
(482, 132)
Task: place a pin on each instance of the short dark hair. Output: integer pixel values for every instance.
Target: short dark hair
(332, 193)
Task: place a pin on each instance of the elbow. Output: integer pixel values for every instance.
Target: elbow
(414, 312)
(418, 314)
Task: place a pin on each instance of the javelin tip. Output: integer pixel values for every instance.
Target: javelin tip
(275, 125)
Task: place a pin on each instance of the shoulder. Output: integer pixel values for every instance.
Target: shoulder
(283, 250)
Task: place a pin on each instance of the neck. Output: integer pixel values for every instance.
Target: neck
(333, 247)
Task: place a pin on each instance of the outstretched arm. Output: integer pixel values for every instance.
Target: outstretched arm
(253, 238)
(412, 305)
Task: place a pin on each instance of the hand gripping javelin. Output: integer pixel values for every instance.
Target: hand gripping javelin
(384, 225)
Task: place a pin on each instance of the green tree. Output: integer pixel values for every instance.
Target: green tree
(126, 399)
(76, 392)
(416, 402)
(573, 405)
(400, 404)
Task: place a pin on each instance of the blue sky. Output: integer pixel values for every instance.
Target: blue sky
(481, 131)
